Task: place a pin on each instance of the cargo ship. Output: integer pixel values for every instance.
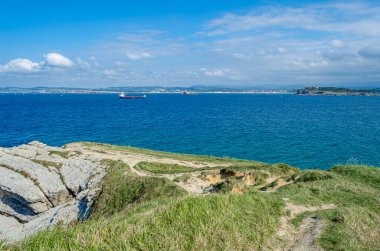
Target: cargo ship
(124, 96)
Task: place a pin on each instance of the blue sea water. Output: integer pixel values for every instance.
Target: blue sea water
(304, 131)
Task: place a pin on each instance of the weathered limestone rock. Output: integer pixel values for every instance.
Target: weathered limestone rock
(76, 173)
(49, 182)
(30, 151)
(77, 209)
(40, 188)
(21, 193)
(25, 153)
(21, 214)
(63, 214)
(7, 223)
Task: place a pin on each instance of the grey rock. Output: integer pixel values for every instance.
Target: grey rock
(36, 194)
(49, 182)
(20, 151)
(77, 173)
(76, 210)
(7, 223)
(13, 209)
(21, 193)
(63, 214)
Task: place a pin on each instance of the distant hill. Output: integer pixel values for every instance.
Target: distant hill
(315, 90)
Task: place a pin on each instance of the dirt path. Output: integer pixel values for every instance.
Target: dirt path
(134, 158)
(309, 231)
(296, 239)
(195, 185)
(304, 237)
(280, 183)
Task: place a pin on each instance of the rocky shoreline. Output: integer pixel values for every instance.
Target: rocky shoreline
(42, 186)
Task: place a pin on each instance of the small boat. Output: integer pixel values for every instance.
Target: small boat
(124, 96)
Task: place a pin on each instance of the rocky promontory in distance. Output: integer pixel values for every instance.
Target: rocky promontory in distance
(103, 197)
(337, 91)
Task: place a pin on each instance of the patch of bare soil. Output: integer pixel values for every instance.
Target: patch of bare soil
(309, 231)
(134, 158)
(304, 237)
(279, 183)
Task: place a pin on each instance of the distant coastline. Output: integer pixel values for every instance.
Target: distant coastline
(144, 90)
(307, 91)
(335, 91)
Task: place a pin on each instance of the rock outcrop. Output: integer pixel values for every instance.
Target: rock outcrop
(41, 186)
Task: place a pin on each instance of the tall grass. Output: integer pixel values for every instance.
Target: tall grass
(355, 190)
(122, 190)
(149, 213)
(160, 168)
(216, 222)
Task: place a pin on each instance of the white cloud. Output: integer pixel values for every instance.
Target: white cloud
(58, 60)
(350, 18)
(94, 61)
(324, 43)
(240, 55)
(82, 64)
(23, 65)
(20, 65)
(138, 56)
(213, 73)
(337, 43)
(281, 50)
(120, 64)
(110, 72)
(142, 36)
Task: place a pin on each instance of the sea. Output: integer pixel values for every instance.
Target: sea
(308, 132)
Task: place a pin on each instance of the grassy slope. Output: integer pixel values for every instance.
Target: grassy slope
(176, 156)
(144, 214)
(161, 168)
(149, 213)
(355, 190)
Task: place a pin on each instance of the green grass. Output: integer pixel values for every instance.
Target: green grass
(160, 168)
(352, 228)
(151, 213)
(47, 163)
(353, 225)
(122, 190)
(176, 156)
(365, 174)
(217, 222)
(278, 169)
(314, 175)
(60, 153)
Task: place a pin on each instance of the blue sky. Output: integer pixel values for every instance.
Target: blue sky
(183, 43)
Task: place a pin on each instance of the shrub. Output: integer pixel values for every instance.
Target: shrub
(314, 175)
(121, 190)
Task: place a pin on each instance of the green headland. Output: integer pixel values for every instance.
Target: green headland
(150, 200)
